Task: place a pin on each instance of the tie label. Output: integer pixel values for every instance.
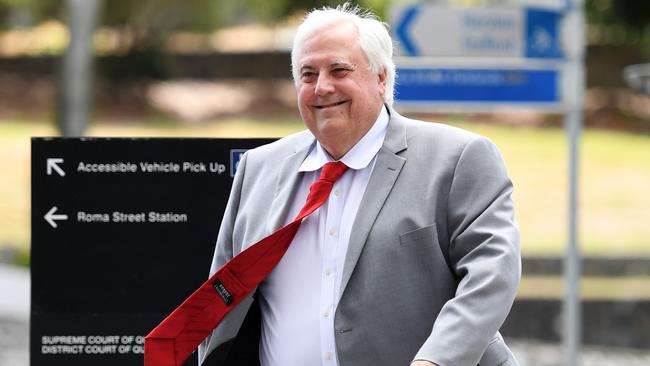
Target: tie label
(222, 291)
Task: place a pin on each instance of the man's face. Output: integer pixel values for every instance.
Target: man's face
(339, 97)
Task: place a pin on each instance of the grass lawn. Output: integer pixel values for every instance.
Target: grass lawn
(614, 181)
(591, 288)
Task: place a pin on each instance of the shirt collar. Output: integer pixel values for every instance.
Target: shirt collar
(359, 156)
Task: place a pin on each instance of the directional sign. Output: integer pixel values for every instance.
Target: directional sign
(442, 31)
(52, 218)
(53, 166)
(446, 85)
(123, 230)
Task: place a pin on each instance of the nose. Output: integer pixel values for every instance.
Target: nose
(324, 85)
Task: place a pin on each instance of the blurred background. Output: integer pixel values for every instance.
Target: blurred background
(221, 68)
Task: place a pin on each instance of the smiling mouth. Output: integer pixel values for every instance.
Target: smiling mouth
(323, 106)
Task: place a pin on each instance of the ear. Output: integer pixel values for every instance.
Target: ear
(381, 79)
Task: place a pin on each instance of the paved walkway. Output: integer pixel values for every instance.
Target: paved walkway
(14, 290)
(14, 316)
(532, 353)
(14, 333)
(14, 342)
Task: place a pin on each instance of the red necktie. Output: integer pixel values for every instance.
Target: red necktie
(176, 337)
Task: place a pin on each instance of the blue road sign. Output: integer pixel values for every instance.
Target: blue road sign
(478, 86)
(235, 156)
(542, 34)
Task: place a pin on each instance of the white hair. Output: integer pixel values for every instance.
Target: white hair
(373, 39)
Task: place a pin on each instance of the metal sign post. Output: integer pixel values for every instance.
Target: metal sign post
(573, 123)
(77, 68)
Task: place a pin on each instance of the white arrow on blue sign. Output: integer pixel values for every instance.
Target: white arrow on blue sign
(443, 31)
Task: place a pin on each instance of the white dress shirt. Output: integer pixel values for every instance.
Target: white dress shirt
(299, 297)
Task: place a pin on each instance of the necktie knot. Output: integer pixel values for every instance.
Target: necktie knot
(332, 171)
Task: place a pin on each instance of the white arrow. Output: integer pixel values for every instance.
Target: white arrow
(50, 217)
(52, 163)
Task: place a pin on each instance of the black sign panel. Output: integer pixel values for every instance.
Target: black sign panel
(123, 230)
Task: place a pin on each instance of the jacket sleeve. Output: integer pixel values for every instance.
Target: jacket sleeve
(224, 248)
(484, 254)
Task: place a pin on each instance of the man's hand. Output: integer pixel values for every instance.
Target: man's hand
(422, 363)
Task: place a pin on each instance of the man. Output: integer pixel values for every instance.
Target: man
(414, 258)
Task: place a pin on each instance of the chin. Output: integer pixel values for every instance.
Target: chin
(332, 126)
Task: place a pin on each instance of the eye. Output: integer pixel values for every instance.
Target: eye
(340, 72)
(308, 76)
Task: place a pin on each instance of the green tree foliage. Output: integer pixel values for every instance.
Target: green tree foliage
(150, 20)
(150, 16)
(626, 21)
(26, 13)
(273, 10)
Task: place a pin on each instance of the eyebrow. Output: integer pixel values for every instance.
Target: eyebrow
(332, 65)
(306, 67)
(342, 63)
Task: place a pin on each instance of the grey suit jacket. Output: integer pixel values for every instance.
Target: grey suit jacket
(433, 262)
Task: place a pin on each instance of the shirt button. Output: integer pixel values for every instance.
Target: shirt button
(328, 272)
(326, 313)
(332, 231)
(327, 356)
(337, 192)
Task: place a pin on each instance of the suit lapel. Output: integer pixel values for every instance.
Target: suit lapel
(287, 184)
(387, 168)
